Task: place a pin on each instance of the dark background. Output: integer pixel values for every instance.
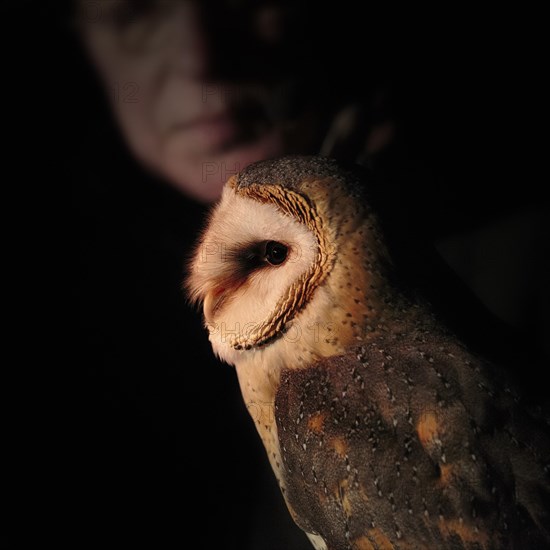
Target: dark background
(157, 422)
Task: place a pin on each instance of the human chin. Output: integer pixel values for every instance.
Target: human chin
(202, 174)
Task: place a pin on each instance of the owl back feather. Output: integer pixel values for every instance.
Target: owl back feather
(411, 442)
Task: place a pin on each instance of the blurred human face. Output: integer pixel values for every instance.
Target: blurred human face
(177, 117)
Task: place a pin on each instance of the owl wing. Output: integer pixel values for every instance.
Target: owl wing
(421, 448)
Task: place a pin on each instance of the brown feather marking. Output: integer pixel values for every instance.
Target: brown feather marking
(322, 497)
(340, 446)
(344, 497)
(376, 540)
(381, 541)
(427, 429)
(446, 474)
(363, 543)
(316, 422)
(466, 533)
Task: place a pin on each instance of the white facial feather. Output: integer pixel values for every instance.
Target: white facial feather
(237, 222)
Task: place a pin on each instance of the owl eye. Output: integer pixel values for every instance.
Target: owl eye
(275, 253)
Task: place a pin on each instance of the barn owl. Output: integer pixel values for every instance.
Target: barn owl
(382, 429)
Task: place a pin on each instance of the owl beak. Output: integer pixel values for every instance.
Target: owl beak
(212, 302)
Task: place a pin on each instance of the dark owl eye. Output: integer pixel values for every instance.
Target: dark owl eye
(275, 253)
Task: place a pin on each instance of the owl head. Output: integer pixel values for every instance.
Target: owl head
(285, 258)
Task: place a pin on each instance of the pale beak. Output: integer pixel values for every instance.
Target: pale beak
(212, 302)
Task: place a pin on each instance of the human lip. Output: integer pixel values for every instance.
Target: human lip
(211, 130)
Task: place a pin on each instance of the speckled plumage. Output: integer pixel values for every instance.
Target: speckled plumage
(409, 442)
(383, 430)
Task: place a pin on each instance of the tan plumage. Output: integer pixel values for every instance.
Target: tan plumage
(382, 429)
